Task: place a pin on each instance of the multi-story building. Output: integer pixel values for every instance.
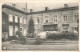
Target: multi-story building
(61, 20)
(13, 20)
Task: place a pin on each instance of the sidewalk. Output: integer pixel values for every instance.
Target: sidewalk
(60, 41)
(46, 45)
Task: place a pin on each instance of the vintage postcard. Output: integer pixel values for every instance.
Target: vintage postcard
(40, 26)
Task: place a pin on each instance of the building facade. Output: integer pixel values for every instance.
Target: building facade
(13, 20)
(60, 20)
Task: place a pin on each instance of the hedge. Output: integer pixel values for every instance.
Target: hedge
(57, 36)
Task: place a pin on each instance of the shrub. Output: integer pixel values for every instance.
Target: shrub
(23, 40)
(57, 36)
(38, 40)
(31, 35)
(31, 41)
(12, 38)
(3, 39)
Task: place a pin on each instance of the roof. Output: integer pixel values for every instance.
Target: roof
(38, 12)
(55, 10)
(13, 8)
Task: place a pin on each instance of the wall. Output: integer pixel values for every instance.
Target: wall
(14, 13)
(60, 19)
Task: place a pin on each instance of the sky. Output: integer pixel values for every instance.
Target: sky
(40, 6)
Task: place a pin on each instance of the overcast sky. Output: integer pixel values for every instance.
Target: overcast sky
(39, 6)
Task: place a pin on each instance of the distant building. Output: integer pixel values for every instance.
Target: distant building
(61, 20)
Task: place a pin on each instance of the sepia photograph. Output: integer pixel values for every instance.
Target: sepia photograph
(41, 26)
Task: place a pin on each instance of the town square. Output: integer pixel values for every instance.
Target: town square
(34, 26)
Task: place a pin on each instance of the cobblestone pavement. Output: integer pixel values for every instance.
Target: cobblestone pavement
(68, 46)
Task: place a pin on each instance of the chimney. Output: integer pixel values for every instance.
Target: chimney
(26, 8)
(31, 10)
(13, 5)
(65, 6)
(23, 9)
(46, 8)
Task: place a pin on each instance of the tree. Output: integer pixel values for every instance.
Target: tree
(31, 26)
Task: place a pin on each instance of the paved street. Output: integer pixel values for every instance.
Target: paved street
(68, 46)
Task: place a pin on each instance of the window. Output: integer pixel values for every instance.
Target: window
(38, 20)
(76, 18)
(16, 19)
(65, 17)
(46, 19)
(21, 28)
(10, 30)
(24, 21)
(10, 18)
(21, 19)
(76, 28)
(65, 26)
(16, 28)
(35, 21)
(55, 18)
(50, 27)
(24, 32)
